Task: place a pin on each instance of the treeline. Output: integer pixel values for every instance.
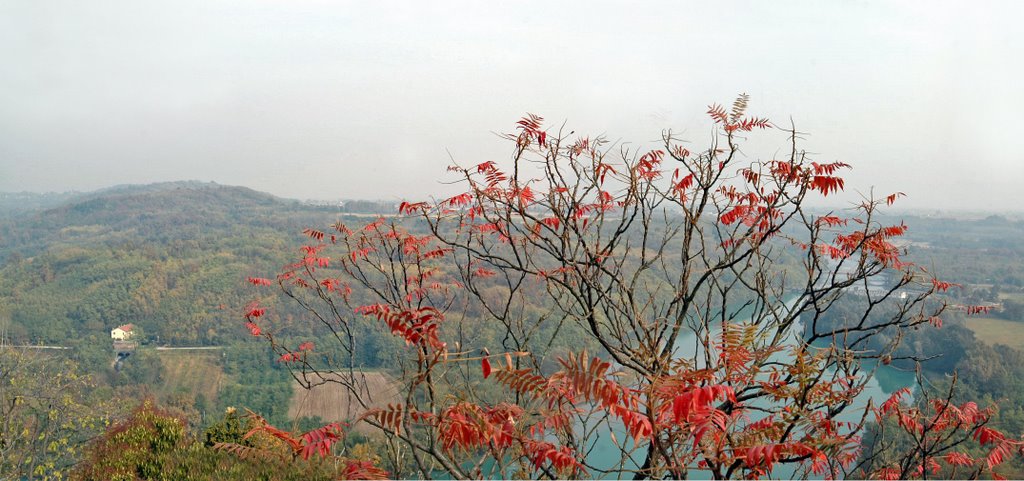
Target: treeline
(981, 251)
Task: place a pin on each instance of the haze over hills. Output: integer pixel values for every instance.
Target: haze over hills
(152, 212)
(172, 257)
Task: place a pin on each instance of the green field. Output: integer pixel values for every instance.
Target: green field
(997, 331)
(1012, 296)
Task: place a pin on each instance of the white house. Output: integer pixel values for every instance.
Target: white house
(122, 333)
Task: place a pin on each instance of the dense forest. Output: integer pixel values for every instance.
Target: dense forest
(173, 260)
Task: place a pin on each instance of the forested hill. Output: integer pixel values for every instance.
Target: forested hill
(149, 213)
(171, 258)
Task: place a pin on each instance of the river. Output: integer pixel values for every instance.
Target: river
(604, 454)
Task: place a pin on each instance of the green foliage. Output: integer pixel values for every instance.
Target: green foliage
(48, 409)
(154, 444)
(258, 382)
(141, 367)
(136, 447)
(230, 429)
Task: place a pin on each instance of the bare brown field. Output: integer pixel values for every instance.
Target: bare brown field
(332, 401)
(196, 372)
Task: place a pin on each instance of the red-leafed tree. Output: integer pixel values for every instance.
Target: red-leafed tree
(697, 276)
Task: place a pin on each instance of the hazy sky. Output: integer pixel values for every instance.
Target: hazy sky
(330, 99)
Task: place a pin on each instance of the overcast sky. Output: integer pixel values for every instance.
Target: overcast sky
(329, 99)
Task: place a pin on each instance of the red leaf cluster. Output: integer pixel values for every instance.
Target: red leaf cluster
(468, 426)
(254, 311)
(416, 326)
(259, 281)
(319, 440)
(734, 120)
(530, 130)
(363, 470)
(318, 235)
(561, 459)
(411, 208)
(975, 310)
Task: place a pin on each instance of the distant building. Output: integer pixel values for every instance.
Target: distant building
(122, 333)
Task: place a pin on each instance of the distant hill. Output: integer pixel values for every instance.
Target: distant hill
(170, 257)
(14, 203)
(148, 213)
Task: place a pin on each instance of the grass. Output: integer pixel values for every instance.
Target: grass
(195, 372)
(991, 330)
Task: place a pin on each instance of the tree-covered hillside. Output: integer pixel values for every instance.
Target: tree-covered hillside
(170, 258)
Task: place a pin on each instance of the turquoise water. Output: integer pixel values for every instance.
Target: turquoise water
(605, 454)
